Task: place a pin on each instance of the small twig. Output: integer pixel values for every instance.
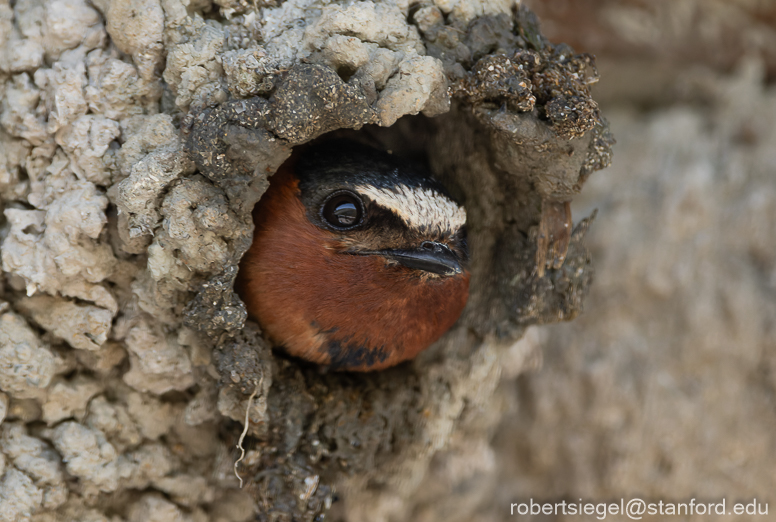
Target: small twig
(245, 430)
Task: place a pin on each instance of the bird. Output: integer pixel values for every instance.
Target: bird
(359, 258)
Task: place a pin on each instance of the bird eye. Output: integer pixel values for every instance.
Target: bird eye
(343, 210)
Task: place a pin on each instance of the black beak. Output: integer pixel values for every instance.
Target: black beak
(430, 256)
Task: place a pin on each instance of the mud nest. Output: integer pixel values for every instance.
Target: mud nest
(135, 212)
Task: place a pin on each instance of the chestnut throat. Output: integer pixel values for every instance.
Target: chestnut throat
(351, 312)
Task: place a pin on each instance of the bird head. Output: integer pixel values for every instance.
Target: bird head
(371, 203)
(358, 260)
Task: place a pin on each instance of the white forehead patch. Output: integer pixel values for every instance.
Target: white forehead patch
(419, 208)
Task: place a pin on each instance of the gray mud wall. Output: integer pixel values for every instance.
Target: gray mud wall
(135, 138)
(664, 388)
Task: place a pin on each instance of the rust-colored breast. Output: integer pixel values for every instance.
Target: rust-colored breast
(351, 312)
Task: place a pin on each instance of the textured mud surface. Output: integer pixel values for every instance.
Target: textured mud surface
(136, 138)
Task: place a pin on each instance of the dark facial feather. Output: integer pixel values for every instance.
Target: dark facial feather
(403, 205)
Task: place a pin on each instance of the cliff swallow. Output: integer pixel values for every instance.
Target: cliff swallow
(358, 260)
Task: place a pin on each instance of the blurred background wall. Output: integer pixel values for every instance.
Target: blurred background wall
(665, 388)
